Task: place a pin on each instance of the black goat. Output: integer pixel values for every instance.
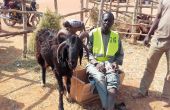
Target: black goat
(61, 57)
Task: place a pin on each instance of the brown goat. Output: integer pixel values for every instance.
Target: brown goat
(61, 56)
(143, 27)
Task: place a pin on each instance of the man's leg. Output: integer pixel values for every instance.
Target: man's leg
(100, 83)
(168, 64)
(112, 98)
(151, 65)
(113, 82)
(166, 88)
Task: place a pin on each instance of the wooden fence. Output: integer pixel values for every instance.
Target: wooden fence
(116, 6)
(83, 9)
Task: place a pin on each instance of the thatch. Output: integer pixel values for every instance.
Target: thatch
(49, 20)
(94, 16)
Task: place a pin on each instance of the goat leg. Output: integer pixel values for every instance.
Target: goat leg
(41, 62)
(68, 84)
(61, 90)
(60, 106)
(43, 76)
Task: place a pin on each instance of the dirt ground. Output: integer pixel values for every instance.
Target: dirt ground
(20, 78)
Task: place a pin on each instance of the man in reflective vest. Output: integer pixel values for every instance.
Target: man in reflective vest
(106, 53)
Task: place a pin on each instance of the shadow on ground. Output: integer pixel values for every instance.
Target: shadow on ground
(9, 104)
(125, 95)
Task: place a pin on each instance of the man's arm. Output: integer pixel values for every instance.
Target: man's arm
(156, 21)
(155, 24)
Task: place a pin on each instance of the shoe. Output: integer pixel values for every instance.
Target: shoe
(139, 95)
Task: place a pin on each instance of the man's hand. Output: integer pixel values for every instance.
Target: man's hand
(101, 67)
(146, 40)
(168, 77)
(115, 66)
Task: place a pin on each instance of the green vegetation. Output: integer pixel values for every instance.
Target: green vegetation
(49, 20)
(94, 16)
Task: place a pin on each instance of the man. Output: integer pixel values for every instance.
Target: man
(106, 53)
(160, 44)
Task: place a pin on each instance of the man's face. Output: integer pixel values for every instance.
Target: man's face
(107, 21)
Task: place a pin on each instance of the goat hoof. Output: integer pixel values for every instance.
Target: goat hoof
(68, 97)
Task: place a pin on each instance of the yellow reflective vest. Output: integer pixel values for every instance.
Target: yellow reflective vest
(98, 47)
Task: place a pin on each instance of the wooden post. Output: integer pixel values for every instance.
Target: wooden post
(100, 12)
(140, 4)
(24, 28)
(25, 45)
(82, 6)
(106, 6)
(110, 7)
(134, 40)
(151, 9)
(127, 3)
(117, 9)
(56, 6)
(87, 7)
(0, 24)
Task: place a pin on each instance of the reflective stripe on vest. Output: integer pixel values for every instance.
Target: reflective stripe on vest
(98, 47)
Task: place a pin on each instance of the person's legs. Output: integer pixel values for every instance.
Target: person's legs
(166, 88)
(113, 82)
(151, 65)
(168, 62)
(100, 83)
(111, 98)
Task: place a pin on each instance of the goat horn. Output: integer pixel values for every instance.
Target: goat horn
(59, 49)
(84, 35)
(61, 32)
(87, 51)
